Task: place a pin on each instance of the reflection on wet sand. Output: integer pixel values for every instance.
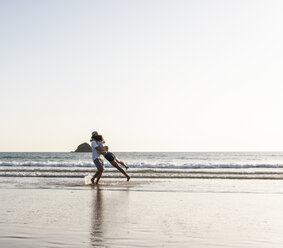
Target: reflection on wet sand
(106, 220)
(97, 219)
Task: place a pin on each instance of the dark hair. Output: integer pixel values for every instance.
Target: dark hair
(93, 137)
(98, 138)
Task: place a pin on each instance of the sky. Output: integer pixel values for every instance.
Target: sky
(149, 75)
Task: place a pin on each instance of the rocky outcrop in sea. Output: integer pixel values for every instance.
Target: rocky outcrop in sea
(84, 147)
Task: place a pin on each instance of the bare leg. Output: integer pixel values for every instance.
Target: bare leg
(95, 175)
(115, 164)
(122, 163)
(99, 165)
(98, 177)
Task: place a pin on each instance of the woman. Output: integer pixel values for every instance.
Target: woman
(112, 159)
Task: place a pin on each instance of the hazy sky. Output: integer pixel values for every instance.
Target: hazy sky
(150, 75)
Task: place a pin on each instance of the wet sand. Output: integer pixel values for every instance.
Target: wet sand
(141, 213)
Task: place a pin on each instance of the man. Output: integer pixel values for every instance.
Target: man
(97, 158)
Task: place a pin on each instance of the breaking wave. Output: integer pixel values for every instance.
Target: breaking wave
(144, 165)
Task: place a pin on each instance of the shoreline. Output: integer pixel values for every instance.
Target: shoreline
(52, 212)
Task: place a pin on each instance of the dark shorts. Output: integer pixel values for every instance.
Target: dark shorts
(99, 164)
(110, 157)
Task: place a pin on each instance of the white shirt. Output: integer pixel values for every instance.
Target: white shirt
(95, 153)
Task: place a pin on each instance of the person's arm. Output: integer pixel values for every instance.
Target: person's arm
(101, 150)
(95, 146)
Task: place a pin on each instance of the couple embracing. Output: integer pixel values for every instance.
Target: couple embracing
(98, 150)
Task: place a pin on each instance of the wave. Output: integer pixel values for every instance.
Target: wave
(155, 173)
(46, 164)
(157, 176)
(145, 165)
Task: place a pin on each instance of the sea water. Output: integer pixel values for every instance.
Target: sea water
(225, 165)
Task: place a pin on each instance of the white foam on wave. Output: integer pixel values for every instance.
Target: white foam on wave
(145, 165)
(88, 179)
(46, 164)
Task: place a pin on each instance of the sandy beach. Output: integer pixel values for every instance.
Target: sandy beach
(48, 212)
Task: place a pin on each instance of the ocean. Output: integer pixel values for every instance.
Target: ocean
(224, 165)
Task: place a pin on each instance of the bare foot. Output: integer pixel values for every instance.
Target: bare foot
(128, 179)
(92, 180)
(126, 167)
